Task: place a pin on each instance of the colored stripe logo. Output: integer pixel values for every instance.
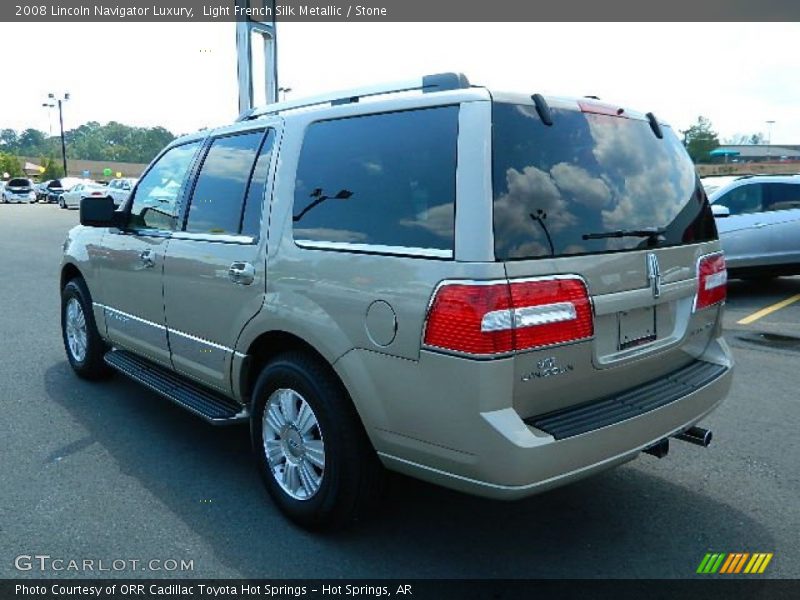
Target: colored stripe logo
(731, 563)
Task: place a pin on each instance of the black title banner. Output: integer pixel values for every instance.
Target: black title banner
(397, 10)
(342, 589)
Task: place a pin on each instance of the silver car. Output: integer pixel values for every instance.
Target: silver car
(19, 190)
(758, 218)
(495, 292)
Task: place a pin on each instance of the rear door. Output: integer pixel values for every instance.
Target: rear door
(599, 200)
(783, 202)
(215, 270)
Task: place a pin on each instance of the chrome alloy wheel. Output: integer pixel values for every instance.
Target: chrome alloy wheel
(76, 330)
(293, 444)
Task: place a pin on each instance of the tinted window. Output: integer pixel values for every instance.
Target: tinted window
(19, 183)
(783, 196)
(384, 179)
(744, 199)
(218, 196)
(251, 219)
(155, 204)
(589, 174)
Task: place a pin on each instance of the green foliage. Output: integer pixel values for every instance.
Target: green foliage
(52, 168)
(10, 164)
(700, 139)
(91, 141)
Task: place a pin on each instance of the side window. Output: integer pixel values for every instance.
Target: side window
(155, 203)
(744, 199)
(253, 205)
(783, 196)
(219, 194)
(386, 179)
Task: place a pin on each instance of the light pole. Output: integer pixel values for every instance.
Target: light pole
(770, 123)
(51, 102)
(284, 91)
(49, 106)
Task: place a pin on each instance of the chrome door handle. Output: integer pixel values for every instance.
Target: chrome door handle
(242, 273)
(148, 258)
(759, 225)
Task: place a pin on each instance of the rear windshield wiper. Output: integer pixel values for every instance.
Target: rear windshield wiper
(650, 232)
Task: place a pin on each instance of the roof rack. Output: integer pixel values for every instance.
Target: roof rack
(439, 82)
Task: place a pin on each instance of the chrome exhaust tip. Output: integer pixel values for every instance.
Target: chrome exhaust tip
(698, 436)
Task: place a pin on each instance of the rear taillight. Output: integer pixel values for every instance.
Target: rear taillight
(97, 193)
(712, 281)
(498, 318)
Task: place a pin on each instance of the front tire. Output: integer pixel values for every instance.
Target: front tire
(82, 342)
(312, 451)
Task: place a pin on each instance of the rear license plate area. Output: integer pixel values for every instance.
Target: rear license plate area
(636, 327)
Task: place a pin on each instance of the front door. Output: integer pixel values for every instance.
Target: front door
(745, 235)
(214, 273)
(132, 263)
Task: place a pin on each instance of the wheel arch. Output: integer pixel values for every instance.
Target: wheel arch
(267, 346)
(69, 271)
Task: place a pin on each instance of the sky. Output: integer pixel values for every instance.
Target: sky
(183, 76)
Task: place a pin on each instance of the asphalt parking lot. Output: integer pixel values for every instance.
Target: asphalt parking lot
(111, 471)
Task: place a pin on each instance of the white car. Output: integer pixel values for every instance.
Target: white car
(120, 189)
(19, 190)
(72, 197)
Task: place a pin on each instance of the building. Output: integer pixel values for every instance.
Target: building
(756, 153)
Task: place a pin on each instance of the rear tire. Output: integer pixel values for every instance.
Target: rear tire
(321, 471)
(82, 342)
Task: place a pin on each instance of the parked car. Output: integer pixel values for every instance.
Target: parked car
(499, 293)
(58, 186)
(72, 197)
(758, 218)
(711, 183)
(120, 189)
(41, 190)
(19, 190)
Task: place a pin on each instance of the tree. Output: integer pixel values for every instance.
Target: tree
(10, 164)
(700, 139)
(52, 168)
(8, 139)
(91, 141)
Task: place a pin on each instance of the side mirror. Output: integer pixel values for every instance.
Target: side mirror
(99, 212)
(719, 210)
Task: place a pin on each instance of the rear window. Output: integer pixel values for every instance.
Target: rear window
(19, 183)
(590, 174)
(379, 183)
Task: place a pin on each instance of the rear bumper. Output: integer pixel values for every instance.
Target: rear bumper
(494, 453)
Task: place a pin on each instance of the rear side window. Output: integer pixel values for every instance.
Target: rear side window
(585, 175)
(218, 197)
(379, 180)
(783, 196)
